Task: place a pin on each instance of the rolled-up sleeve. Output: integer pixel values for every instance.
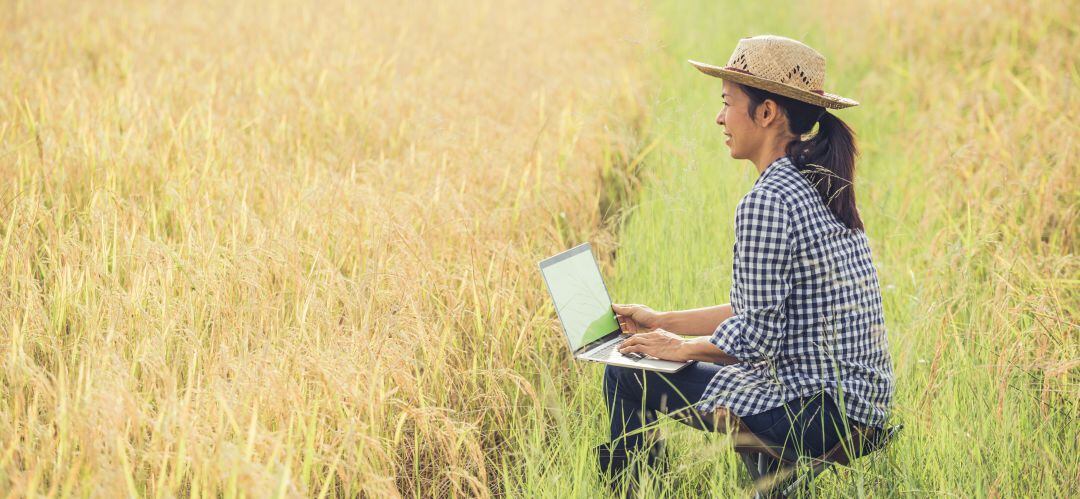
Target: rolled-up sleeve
(761, 279)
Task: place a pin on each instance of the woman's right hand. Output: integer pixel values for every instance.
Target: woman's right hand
(635, 318)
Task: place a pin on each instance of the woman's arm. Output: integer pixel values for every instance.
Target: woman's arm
(695, 321)
(692, 322)
(765, 247)
(666, 345)
(702, 349)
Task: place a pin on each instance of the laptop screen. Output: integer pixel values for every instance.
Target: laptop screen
(580, 297)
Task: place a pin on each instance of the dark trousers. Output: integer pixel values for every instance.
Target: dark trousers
(809, 426)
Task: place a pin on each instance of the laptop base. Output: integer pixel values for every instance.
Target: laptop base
(607, 353)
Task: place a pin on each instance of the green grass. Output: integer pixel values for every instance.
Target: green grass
(971, 205)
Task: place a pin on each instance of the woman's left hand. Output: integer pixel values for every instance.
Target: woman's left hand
(663, 345)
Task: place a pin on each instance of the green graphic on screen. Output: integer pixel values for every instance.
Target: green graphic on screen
(581, 299)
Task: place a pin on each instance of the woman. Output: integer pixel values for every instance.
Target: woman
(800, 355)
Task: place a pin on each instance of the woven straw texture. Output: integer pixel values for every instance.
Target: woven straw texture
(780, 65)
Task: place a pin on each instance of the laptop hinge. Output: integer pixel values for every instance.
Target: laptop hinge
(600, 341)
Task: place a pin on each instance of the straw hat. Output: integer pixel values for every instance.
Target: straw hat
(780, 65)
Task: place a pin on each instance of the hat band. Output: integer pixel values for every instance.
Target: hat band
(739, 70)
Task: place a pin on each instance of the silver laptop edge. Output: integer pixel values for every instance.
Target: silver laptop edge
(547, 262)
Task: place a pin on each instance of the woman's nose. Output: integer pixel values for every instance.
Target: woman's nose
(720, 118)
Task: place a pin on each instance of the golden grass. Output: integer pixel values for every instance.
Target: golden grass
(289, 248)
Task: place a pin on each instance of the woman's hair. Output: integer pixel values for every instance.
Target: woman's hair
(827, 158)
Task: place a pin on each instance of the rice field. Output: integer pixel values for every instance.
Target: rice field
(287, 249)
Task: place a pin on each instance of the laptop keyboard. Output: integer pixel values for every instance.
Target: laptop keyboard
(606, 351)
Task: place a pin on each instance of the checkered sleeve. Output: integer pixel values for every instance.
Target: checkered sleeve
(761, 274)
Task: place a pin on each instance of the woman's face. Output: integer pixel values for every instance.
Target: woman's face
(744, 135)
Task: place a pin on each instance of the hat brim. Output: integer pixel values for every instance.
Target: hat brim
(831, 101)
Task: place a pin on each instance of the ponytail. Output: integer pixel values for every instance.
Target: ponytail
(826, 158)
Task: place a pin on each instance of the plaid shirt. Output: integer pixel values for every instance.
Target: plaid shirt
(808, 313)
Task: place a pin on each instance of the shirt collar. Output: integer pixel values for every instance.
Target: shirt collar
(781, 162)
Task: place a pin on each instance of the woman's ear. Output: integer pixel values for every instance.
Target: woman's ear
(769, 112)
(765, 113)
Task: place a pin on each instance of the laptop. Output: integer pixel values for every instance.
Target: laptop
(584, 309)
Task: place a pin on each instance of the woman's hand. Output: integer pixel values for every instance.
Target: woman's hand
(635, 319)
(663, 345)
